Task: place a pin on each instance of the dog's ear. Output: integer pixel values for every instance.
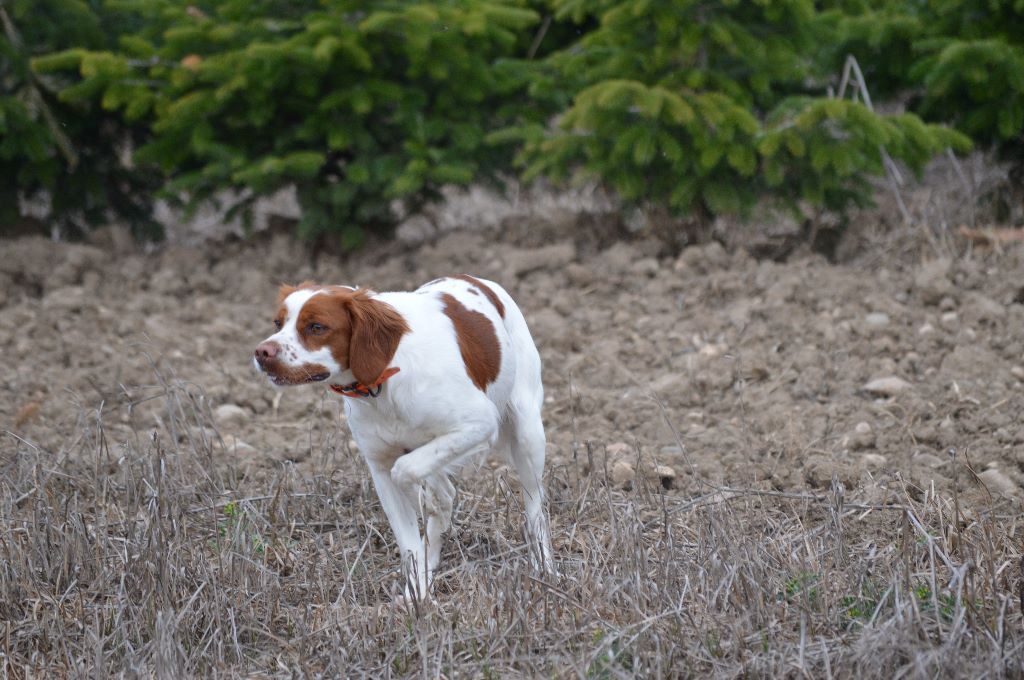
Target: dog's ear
(285, 290)
(377, 329)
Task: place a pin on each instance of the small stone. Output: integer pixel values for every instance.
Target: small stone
(862, 437)
(233, 444)
(230, 415)
(619, 449)
(1017, 372)
(197, 434)
(619, 257)
(1011, 435)
(887, 387)
(926, 434)
(922, 478)
(555, 256)
(932, 280)
(579, 274)
(553, 327)
(622, 474)
(671, 384)
(947, 304)
(819, 470)
(926, 329)
(981, 308)
(998, 483)
(962, 364)
(416, 229)
(876, 320)
(874, 460)
(647, 266)
(712, 350)
(665, 475)
(112, 239)
(929, 460)
(950, 321)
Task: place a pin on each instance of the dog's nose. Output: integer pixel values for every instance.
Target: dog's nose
(266, 352)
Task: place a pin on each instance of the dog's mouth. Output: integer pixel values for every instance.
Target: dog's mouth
(287, 376)
(286, 380)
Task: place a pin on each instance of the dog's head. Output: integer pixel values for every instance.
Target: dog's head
(329, 333)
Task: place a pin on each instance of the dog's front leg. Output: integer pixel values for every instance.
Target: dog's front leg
(401, 514)
(423, 477)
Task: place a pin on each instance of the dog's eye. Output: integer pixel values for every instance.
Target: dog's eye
(277, 324)
(316, 328)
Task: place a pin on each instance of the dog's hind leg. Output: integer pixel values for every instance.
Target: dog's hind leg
(439, 497)
(528, 452)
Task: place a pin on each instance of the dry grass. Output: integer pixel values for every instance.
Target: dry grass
(149, 558)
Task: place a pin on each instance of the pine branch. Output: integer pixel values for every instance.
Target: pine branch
(36, 97)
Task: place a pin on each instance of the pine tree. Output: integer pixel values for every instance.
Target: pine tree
(957, 62)
(66, 156)
(880, 35)
(972, 72)
(357, 104)
(705, 107)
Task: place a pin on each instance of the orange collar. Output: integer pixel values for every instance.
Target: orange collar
(358, 389)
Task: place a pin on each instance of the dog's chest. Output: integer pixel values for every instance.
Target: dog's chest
(385, 433)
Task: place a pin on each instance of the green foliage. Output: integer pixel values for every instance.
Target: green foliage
(355, 108)
(927, 600)
(880, 34)
(704, 108)
(68, 153)
(803, 586)
(701, 108)
(962, 62)
(825, 150)
(972, 71)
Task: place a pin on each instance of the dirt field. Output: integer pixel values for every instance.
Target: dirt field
(699, 408)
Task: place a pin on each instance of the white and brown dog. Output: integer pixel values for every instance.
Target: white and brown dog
(432, 379)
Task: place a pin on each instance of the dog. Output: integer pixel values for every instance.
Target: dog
(431, 379)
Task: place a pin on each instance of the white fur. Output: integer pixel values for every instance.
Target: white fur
(432, 409)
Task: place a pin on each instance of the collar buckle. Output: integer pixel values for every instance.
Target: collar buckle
(357, 389)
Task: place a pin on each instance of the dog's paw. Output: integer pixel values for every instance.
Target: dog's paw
(412, 603)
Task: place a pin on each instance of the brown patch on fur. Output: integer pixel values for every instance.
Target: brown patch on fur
(485, 289)
(478, 343)
(361, 332)
(282, 294)
(377, 328)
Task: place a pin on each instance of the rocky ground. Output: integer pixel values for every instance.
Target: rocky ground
(710, 364)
